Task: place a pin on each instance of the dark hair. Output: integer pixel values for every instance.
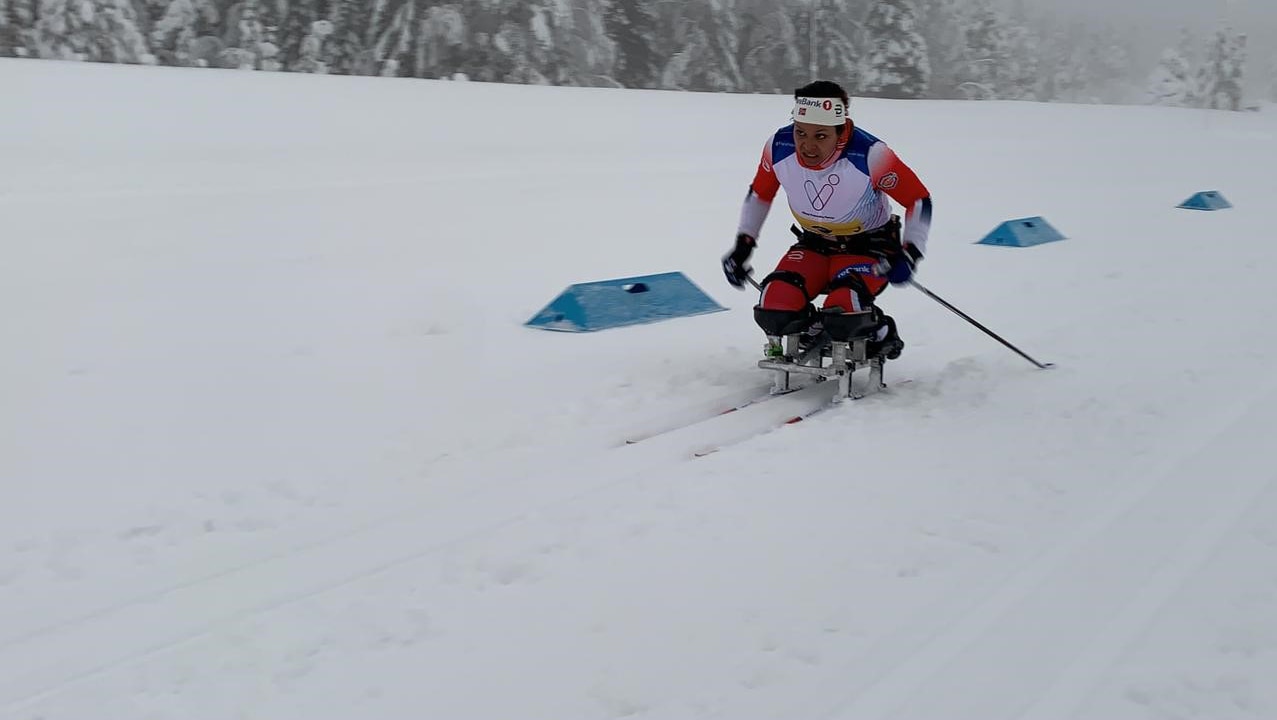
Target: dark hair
(823, 89)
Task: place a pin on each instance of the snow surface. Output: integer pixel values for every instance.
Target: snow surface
(275, 443)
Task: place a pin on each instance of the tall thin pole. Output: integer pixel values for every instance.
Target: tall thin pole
(814, 67)
(972, 320)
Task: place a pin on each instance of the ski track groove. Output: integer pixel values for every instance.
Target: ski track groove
(666, 423)
(961, 657)
(697, 414)
(889, 695)
(86, 647)
(1065, 697)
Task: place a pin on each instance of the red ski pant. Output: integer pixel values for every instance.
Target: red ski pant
(820, 275)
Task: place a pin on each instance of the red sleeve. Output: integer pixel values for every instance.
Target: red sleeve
(758, 201)
(765, 182)
(888, 173)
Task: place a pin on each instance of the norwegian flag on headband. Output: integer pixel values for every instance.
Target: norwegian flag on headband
(820, 111)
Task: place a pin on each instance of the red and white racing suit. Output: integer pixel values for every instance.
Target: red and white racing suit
(845, 195)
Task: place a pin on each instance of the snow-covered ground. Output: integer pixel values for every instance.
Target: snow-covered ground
(275, 444)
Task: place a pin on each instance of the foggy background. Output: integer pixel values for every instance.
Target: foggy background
(1209, 53)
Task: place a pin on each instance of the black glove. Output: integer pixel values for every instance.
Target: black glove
(734, 267)
(903, 264)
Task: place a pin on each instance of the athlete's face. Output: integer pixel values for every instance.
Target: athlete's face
(815, 142)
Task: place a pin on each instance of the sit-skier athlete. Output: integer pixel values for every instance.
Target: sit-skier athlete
(839, 181)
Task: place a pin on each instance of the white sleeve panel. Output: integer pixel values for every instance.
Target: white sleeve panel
(752, 215)
(918, 224)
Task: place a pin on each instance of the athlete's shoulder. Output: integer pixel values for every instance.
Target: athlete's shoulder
(782, 144)
(858, 147)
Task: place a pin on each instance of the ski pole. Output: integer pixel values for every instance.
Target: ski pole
(971, 320)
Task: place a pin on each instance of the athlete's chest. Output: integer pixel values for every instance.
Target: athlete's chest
(837, 188)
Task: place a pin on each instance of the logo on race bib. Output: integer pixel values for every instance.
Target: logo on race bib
(819, 196)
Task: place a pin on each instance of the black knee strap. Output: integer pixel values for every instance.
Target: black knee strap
(789, 277)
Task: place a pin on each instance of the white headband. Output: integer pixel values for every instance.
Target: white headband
(819, 111)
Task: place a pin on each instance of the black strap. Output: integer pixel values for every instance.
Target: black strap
(880, 242)
(790, 277)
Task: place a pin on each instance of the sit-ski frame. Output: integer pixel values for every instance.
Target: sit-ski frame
(845, 357)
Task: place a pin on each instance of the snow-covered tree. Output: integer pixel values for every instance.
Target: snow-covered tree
(1020, 77)
(1220, 77)
(770, 59)
(96, 30)
(690, 67)
(553, 42)
(632, 25)
(1171, 82)
(311, 53)
(833, 44)
(514, 52)
(1063, 75)
(8, 30)
(174, 34)
(592, 52)
(897, 65)
(940, 24)
(984, 52)
(393, 45)
(293, 31)
(704, 48)
(345, 51)
(17, 17)
(1028, 46)
(374, 15)
(441, 38)
(1108, 70)
(999, 57)
(535, 42)
(1006, 49)
(246, 35)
